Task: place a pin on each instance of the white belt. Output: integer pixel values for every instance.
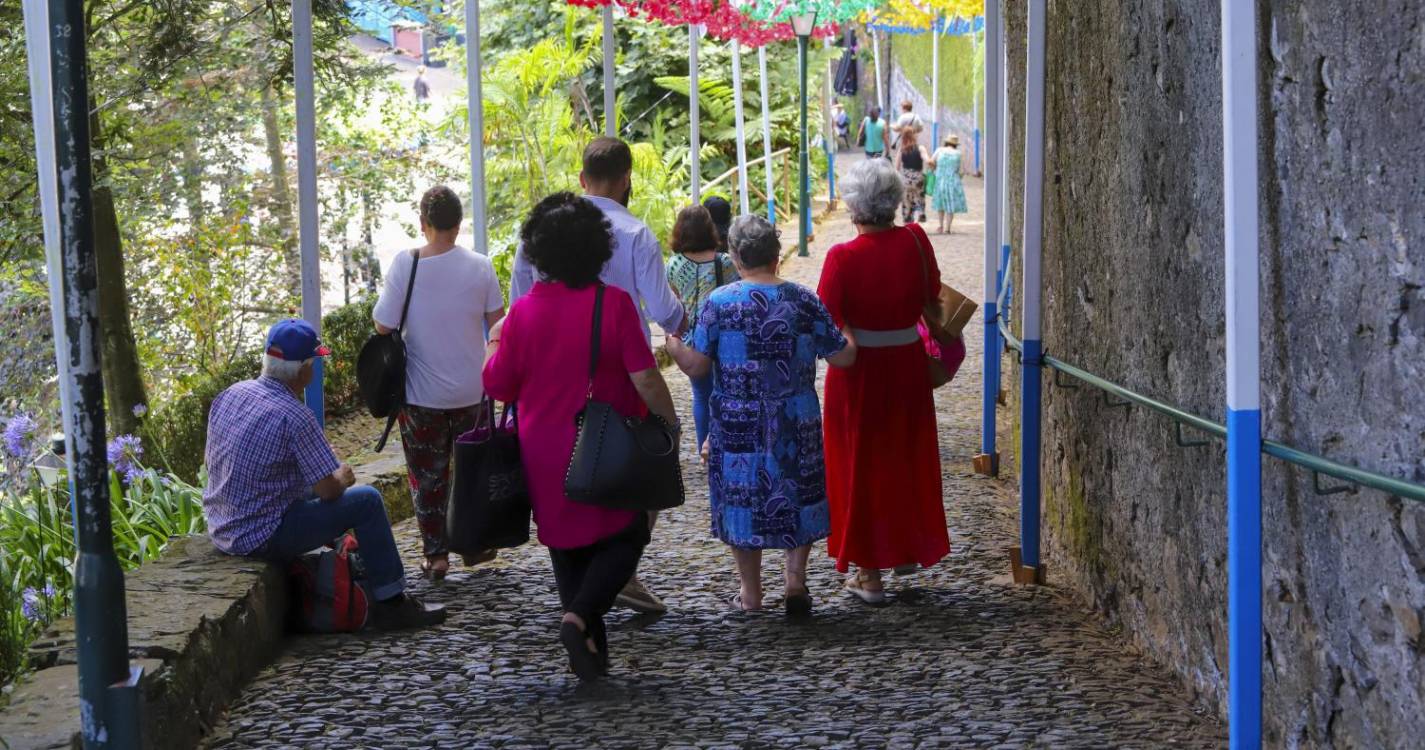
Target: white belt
(881, 339)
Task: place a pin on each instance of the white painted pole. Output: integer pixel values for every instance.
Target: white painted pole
(37, 50)
(767, 137)
(695, 144)
(934, 87)
(876, 52)
(610, 93)
(1030, 387)
(975, 97)
(476, 109)
(742, 197)
(308, 226)
(1244, 414)
(988, 459)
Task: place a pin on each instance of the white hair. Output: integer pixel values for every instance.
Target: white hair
(873, 192)
(753, 240)
(281, 369)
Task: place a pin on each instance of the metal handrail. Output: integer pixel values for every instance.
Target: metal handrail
(1313, 463)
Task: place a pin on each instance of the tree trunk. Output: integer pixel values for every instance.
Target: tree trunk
(280, 198)
(123, 377)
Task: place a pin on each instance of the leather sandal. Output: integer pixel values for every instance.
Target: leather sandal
(856, 586)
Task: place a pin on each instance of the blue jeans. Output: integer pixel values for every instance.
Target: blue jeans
(702, 394)
(309, 524)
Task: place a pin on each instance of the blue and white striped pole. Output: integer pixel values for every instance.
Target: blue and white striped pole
(935, 86)
(308, 228)
(987, 462)
(767, 137)
(1244, 414)
(1033, 246)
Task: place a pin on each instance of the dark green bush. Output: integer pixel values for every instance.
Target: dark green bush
(175, 433)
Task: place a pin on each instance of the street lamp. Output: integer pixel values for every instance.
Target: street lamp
(802, 25)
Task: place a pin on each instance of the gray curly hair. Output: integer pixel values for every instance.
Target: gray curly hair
(753, 241)
(873, 192)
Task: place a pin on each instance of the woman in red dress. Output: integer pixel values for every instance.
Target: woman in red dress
(882, 455)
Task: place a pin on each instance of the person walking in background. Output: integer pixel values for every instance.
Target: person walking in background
(882, 456)
(421, 87)
(636, 267)
(759, 339)
(906, 122)
(539, 362)
(721, 213)
(456, 295)
(842, 121)
(910, 160)
(874, 134)
(695, 270)
(949, 197)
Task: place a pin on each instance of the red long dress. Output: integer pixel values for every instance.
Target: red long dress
(882, 455)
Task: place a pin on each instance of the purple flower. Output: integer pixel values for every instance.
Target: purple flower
(124, 453)
(140, 410)
(48, 591)
(30, 604)
(19, 436)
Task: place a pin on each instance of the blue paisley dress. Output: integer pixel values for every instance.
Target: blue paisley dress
(766, 474)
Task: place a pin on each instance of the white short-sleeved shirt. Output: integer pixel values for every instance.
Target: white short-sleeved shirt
(445, 328)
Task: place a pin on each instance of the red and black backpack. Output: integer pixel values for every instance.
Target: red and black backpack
(326, 588)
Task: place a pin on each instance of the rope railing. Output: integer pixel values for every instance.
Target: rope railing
(1317, 465)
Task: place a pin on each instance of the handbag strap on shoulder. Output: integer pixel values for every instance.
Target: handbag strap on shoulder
(594, 337)
(924, 265)
(410, 288)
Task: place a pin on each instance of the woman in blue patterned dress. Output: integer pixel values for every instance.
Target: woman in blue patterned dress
(949, 198)
(760, 338)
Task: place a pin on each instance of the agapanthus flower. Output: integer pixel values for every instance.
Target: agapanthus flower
(124, 453)
(140, 410)
(19, 435)
(30, 604)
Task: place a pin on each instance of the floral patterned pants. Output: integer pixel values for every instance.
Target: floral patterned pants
(913, 204)
(428, 439)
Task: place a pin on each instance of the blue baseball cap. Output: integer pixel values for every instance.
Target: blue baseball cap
(294, 340)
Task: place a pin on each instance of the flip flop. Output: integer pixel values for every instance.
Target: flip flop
(798, 605)
(873, 598)
(585, 663)
(736, 603)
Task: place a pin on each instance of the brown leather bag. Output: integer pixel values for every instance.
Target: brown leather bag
(947, 315)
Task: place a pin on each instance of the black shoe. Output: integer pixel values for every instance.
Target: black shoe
(585, 663)
(404, 611)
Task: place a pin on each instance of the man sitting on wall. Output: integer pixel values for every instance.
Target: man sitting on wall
(276, 490)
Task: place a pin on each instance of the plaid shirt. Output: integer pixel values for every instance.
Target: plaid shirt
(265, 452)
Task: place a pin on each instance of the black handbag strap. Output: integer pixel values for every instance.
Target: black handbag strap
(400, 326)
(594, 338)
(410, 288)
(717, 267)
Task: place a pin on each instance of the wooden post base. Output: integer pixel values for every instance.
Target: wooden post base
(1003, 398)
(987, 464)
(1023, 574)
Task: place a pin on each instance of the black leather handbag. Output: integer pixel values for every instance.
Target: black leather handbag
(381, 367)
(619, 462)
(488, 507)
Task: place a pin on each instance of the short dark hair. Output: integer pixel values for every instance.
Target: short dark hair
(568, 239)
(721, 212)
(694, 231)
(440, 208)
(874, 113)
(607, 159)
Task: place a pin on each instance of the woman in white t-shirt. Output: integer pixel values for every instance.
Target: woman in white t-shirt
(455, 299)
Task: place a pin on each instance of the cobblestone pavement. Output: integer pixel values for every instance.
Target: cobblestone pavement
(960, 659)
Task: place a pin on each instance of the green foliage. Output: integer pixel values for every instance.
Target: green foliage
(37, 547)
(176, 430)
(345, 330)
(960, 70)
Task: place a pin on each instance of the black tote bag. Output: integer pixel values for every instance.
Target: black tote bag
(381, 366)
(619, 462)
(488, 507)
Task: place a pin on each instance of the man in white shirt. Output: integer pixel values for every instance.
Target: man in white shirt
(908, 120)
(636, 267)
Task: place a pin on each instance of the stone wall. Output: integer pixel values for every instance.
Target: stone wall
(1133, 290)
